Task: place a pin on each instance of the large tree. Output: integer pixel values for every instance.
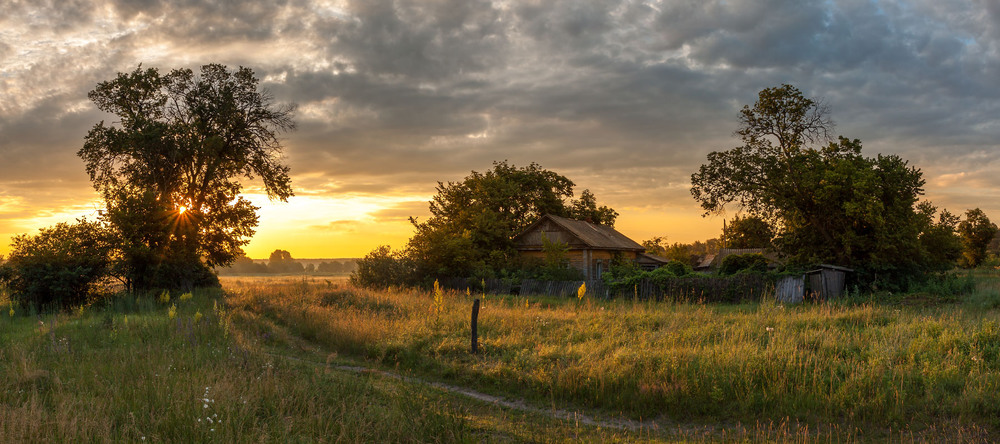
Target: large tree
(828, 202)
(747, 232)
(171, 171)
(473, 221)
(976, 232)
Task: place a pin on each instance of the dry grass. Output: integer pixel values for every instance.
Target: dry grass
(841, 371)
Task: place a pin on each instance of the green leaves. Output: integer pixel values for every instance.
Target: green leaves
(185, 139)
(827, 203)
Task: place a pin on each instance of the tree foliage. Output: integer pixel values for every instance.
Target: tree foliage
(171, 170)
(828, 202)
(59, 267)
(473, 221)
(736, 263)
(748, 232)
(976, 231)
(383, 268)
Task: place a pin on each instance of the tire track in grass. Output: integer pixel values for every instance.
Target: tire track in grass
(516, 404)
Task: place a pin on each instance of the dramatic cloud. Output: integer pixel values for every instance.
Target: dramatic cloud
(624, 97)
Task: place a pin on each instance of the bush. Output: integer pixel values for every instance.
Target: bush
(60, 266)
(383, 268)
(738, 262)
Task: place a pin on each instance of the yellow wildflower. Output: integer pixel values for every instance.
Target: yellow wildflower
(438, 298)
(197, 316)
(186, 296)
(172, 313)
(580, 292)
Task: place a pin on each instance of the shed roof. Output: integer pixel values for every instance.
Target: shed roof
(593, 235)
(652, 258)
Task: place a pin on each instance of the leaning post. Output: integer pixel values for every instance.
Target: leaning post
(475, 320)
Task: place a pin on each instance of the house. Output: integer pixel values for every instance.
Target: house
(591, 246)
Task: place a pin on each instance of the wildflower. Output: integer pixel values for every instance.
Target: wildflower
(580, 292)
(186, 296)
(165, 296)
(197, 316)
(770, 329)
(126, 320)
(11, 311)
(438, 298)
(467, 292)
(172, 313)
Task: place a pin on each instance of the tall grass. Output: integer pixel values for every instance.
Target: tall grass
(128, 372)
(863, 366)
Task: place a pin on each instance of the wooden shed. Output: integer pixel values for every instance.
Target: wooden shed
(825, 282)
(591, 246)
(828, 281)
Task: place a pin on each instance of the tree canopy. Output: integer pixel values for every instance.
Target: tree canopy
(826, 201)
(976, 231)
(170, 172)
(748, 232)
(473, 221)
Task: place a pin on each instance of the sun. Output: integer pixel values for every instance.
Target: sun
(181, 209)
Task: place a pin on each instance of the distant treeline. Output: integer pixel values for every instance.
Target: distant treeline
(281, 262)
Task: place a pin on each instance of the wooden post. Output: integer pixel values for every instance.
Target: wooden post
(475, 320)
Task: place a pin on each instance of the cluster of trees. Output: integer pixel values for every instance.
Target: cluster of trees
(472, 224)
(281, 262)
(171, 173)
(825, 202)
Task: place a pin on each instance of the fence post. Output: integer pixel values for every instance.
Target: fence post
(475, 333)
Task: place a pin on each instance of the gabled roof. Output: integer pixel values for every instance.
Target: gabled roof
(593, 235)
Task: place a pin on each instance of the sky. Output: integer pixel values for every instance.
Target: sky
(625, 98)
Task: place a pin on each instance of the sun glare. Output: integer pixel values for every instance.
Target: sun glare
(182, 209)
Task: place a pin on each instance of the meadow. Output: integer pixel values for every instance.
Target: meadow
(285, 359)
(870, 367)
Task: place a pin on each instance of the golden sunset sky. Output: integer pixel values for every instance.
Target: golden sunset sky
(625, 98)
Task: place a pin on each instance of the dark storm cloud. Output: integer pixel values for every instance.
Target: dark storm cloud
(624, 95)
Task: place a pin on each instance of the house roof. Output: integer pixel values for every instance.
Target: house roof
(593, 235)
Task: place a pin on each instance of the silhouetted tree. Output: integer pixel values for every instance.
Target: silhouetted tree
(172, 170)
(976, 231)
(748, 232)
(830, 203)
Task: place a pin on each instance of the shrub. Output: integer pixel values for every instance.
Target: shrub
(738, 262)
(678, 268)
(60, 266)
(383, 268)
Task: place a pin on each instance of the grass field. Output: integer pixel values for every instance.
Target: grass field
(216, 367)
(915, 364)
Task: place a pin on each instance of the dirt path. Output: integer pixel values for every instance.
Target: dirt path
(516, 404)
